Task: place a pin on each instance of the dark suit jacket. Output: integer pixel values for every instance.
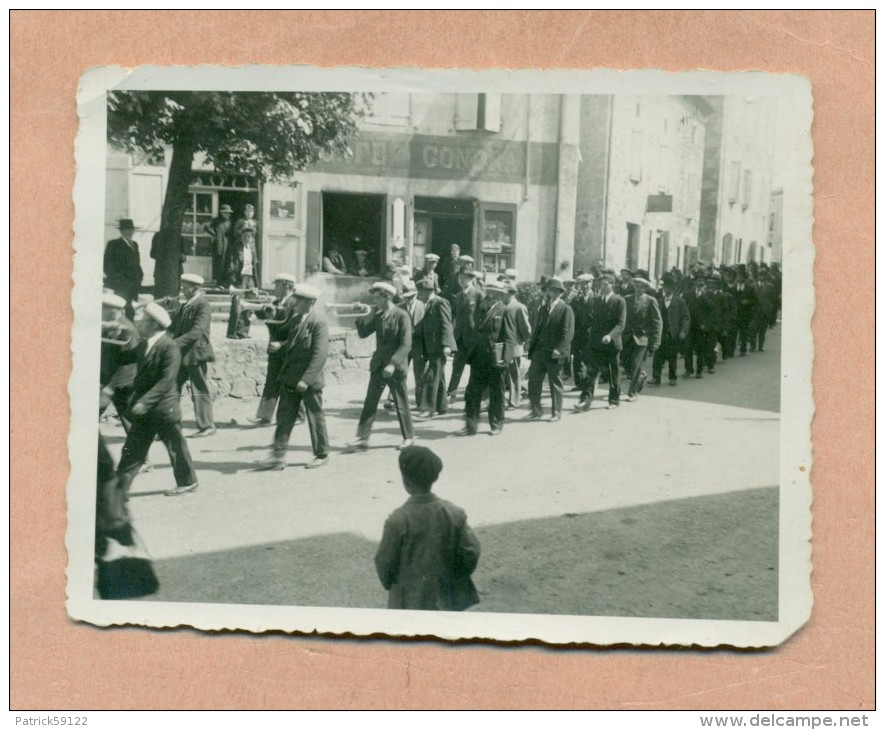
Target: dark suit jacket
(609, 318)
(583, 309)
(416, 314)
(558, 331)
(704, 313)
(489, 321)
(190, 328)
(747, 301)
(464, 311)
(676, 318)
(122, 268)
(643, 320)
(436, 328)
(516, 330)
(156, 380)
(393, 337)
(305, 352)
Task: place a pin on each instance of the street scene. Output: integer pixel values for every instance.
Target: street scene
(509, 353)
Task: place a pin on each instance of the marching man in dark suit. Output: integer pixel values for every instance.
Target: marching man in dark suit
(582, 306)
(549, 348)
(642, 332)
(118, 340)
(277, 318)
(301, 379)
(487, 365)
(609, 317)
(122, 265)
(464, 308)
(437, 343)
(747, 302)
(153, 407)
(390, 362)
(190, 328)
(676, 324)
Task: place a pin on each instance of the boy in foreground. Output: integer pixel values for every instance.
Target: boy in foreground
(428, 550)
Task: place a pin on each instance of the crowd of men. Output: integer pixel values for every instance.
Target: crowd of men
(586, 330)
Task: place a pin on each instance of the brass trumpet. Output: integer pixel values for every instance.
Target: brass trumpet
(111, 331)
(171, 304)
(355, 308)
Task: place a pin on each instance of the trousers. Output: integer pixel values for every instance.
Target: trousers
(377, 383)
(138, 443)
(290, 403)
(484, 374)
(196, 373)
(544, 364)
(603, 359)
(668, 352)
(433, 385)
(634, 356)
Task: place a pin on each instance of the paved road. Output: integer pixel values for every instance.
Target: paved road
(711, 439)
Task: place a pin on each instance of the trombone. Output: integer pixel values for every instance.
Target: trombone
(348, 309)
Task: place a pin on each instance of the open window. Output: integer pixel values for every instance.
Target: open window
(497, 233)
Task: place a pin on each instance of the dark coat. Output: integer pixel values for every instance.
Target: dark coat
(416, 315)
(190, 328)
(156, 380)
(747, 301)
(676, 319)
(122, 268)
(464, 310)
(488, 328)
(305, 352)
(426, 556)
(583, 309)
(643, 320)
(609, 318)
(437, 332)
(393, 337)
(704, 312)
(557, 332)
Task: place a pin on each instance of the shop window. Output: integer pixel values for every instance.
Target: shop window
(478, 111)
(200, 211)
(390, 110)
(498, 236)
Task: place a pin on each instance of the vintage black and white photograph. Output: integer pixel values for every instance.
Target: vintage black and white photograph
(506, 355)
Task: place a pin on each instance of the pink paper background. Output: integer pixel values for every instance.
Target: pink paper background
(56, 664)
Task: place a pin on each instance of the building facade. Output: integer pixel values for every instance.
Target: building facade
(739, 158)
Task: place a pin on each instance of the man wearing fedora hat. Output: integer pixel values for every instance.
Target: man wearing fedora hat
(604, 343)
(154, 404)
(122, 265)
(220, 228)
(190, 328)
(549, 348)
(642, 331)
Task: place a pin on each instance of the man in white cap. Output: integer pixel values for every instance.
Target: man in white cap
(549, 349)
(389, 365)
(153, 407)
(414, 307)
(301, 379)
(190, 328)
(122, 265)
(428, 271)
(487, 364)
(118, 340)
(277, 316)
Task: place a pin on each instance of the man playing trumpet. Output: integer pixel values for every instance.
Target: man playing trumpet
(277, 315)
(118, 340)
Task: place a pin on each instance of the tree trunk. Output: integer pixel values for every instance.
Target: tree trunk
(167, 248)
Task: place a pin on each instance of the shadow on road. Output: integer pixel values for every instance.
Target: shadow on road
(711, 557)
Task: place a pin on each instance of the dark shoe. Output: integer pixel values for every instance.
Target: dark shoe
(272, 463)
(318, 461)
(466, 432)
(203, 432)
(688, 373)
(673, 381)
(632, 398)
(641, 382)
(582, 406)
(358, 445)
(259, 422)
(654, 381)
(555, 418)
(495, 431)
(532, 417)
(184, 489)
(425, 415)
(389, 405)
(761, 349)
(612, 406)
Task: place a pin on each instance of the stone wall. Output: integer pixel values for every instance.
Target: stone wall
(240, 366)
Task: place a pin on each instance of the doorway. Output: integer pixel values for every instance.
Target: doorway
(353, 222)
(440, 223)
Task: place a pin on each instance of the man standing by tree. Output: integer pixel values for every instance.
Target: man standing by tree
(122, 265)
(265, 135)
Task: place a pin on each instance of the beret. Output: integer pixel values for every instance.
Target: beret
(431, 257)
(383, 286)
(306, 291)
(285, 277)
(193, 279)
(420, 465)
(585, 277)
(158, 314)
(640, 280)
(112, 300)
(495, 286)
(465, 259)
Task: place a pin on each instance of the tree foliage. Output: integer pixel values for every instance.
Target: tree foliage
(267, 135)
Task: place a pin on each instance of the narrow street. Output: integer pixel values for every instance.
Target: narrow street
(665, 507)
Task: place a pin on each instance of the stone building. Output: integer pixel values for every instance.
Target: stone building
(776, 226)
(639, 183)
(739, 154)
